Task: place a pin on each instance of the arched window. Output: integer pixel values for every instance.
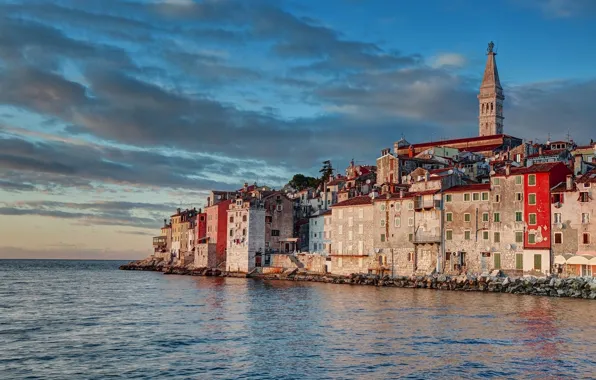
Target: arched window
(482, 107)
(491, 107)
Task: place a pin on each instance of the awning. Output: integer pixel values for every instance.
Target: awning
(560, 259)
(579, 260)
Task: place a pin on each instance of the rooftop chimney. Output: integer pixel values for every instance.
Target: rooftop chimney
(178, 210)
(569, 183)
(540, 150)
(165, 222)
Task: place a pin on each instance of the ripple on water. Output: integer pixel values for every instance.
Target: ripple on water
(72, 320)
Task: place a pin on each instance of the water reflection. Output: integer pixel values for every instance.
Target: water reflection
(139, 324)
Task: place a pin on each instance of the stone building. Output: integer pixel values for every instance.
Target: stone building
(162, 244)
(352, 236)
(573, 227)
(246, 234)
(317, 239)
(182, 225)
(279, 222)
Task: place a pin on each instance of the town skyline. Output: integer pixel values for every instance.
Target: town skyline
(147, 135)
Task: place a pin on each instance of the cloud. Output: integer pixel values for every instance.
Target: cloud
(449, 60)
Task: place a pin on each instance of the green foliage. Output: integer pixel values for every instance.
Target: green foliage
(301, 182)
(326, 171)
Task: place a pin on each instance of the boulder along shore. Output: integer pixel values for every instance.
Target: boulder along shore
(576, 287)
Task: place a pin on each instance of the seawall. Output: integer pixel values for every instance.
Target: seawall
(576, 287)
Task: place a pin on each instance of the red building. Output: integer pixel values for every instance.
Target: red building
(538, 180)
(216, 227)
(201, 228)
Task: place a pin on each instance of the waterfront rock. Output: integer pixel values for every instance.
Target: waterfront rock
(495, 282)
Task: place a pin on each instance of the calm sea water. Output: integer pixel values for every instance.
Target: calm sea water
(88, 320)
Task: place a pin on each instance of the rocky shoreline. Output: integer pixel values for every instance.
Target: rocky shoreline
(577, 287)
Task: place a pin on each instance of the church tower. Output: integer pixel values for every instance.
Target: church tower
(490, 98)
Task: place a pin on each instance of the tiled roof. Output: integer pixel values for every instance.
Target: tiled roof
(459, 141)
(337, 181)
(362, 200)
(536, 168)
(480, 148)
(589, 177)
(473, 187)
(562, 187)
(555, 152)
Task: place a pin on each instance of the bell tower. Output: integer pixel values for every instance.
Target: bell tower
(490, 98)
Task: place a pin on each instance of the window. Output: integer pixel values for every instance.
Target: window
(519, 217)
(485, 217)
(537, 262)
(496, 181)
(584, 196)
(350, 221)
(244, 232)
(382, 238)
(340, 229)
(497, 237)
(382, 206)
(497, 198)
(497, 258)
(466, 197)
(485, 235)
(467, 218)
(410, 222)
(410, 237)
(410, 205)
(558, 217)
(360, 247)
(476, 196)
(268, 219)
(360, 229)
(532, 238)
(519, 261)
(557, 198)
(341, 214)
(244, 218)
(586, 238)
(231, 233)
(449, 217)
(231, 219)
(449, 235)
(276, 232)
(518, 179)
(586, 184)
(350, 235)
(448, 198)
(532, 180)
(361, 213)
(519, 197)
(558, 238)
(485, 196)
(532, 199)
(467, 235)
(382, 222)
(585, 218)
(397, 221)
(496, 217)
(532, 219)
(519, 237)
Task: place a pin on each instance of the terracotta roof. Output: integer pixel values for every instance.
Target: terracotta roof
(584, 147)
(536, 168)
(474, 187)
(362, 200)
(459, 141)
(589, 177)
(562, 187)
(555, 152)
(336, 181)
(481, 148)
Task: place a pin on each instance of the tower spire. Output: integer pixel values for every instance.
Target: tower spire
(490, 98)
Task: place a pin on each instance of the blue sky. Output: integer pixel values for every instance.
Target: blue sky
(113, 113)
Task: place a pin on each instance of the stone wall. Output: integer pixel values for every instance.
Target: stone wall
(309, 262)
(206, 255)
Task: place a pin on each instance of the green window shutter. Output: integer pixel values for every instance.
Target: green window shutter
(497, 261)
(538, 262)
(519, 261)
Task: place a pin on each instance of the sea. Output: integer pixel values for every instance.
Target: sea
(62, 319)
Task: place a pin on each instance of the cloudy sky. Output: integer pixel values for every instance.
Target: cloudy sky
(115, 112)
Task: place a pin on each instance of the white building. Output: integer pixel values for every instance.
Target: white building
(317, 242)
(246, 235)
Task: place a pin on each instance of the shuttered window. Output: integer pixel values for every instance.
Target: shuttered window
(538, 262)
(519, 261)
(497, 257)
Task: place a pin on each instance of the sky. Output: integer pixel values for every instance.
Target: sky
(115, 112)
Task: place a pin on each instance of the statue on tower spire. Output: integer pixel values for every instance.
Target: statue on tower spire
(491, 45)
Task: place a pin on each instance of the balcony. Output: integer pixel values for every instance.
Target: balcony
(159, 241)
(426, 238)
(427, 204)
